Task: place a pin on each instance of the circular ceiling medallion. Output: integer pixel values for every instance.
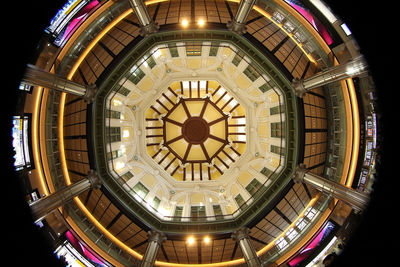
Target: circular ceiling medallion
(187, 132)
(193, 130)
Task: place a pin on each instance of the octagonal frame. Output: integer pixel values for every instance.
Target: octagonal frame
(185, 135)
(262, 201)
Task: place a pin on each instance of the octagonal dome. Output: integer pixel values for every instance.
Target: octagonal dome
(195, 131)
(173, 142)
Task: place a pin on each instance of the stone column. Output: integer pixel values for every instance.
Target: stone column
(242, 238)
(238, 24)
(353, 68)
(356, 199)
(38, 77)
(148, 25)
(44, 206)
(155, 240)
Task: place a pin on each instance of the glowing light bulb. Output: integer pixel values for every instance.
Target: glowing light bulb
(206, 240)
(185, 22)
(190, 240)
(201, 22)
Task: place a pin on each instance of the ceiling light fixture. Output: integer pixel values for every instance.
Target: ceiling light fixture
(201, 22)
(185, 22)
(190, 240)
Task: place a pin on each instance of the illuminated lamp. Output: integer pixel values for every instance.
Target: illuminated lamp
(190, 240)
(201, 22)
(185, 22)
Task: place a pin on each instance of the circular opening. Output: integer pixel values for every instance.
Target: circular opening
(195, 130)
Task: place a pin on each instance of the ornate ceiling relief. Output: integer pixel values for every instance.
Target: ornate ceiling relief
(196, 131)
(210, 141)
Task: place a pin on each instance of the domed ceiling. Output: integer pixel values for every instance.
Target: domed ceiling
(199, 140)
(196, 130)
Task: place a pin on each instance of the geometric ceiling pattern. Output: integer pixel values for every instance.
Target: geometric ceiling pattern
(194, 128)
(183, 143)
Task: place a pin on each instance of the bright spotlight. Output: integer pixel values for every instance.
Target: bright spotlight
(190, 240)
(201, 22)
(185, 22)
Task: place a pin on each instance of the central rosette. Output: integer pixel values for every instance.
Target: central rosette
(195, 130)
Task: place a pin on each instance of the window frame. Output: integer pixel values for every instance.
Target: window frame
(113, 114)
(276, 149)
(277, 129)
(254, 187)
(193, 48)
(251, 73)
(178, 212)
(156, 203)
(114, 134)
(136, 75)
(114, 154)
(138, 188)
(243, 204)
(214, 48)
(197, 212)
(26, 146)
(217, 207)
(265, 87)
(173, 50)
(237, 58)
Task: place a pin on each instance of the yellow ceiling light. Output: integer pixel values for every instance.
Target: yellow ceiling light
(185, 23)
(201, 22)
(96, 40)
(151, 2)
(35, 138)
(190, 240)
(356, 131)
